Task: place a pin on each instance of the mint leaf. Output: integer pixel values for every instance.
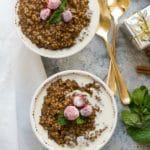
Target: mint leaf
(130, 118)
(139, 95)
(63, 4)
(142, 87)
(146, 111)
(147, 117)
(80, 120)
(56, 16)
(147, 101)
(141, 136)
(62, 120)
(134, 108)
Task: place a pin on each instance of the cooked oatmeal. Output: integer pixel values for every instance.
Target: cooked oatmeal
(52, 36)
(57, 99)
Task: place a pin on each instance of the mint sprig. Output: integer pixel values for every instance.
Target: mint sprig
(130, 118)
(80, 120)
(56, 16)
(62, 120)
(139, 95)
(140, 135)
(137, 117)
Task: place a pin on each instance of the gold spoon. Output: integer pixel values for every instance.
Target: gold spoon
(111, 82)
(117, 9)
(103, 30)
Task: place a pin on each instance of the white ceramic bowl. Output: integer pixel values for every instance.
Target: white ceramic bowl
(93, 5)
(107, 116)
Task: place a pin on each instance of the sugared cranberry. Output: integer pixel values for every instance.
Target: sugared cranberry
(79, 101)
(53, 4)
(67, 16)
(86, 111)
(71, 113)
(45, 13)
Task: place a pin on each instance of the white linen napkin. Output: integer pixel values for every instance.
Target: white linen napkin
(21, 72)
(24, 73)
(8, 124)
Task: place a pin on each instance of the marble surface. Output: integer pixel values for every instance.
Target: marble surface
(95, 60)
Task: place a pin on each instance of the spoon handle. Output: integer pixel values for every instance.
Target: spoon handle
(110, 81)
(111, 75)
(122, 88)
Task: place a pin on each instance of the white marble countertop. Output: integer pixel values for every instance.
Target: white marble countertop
(93, 59)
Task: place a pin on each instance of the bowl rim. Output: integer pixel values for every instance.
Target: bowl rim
(61, 53)
(62, 73)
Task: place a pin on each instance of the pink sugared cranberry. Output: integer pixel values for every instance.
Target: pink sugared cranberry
(45, 13)
(53, 4)
(67, 16)
(79, 101)
(86, 111)
(71, 113)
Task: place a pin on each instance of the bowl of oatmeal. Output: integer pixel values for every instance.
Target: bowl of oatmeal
(56, 28)
(73, 110)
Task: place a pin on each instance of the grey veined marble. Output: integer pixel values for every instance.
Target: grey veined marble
(95, 60)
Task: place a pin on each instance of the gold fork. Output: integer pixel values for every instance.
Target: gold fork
(103, 30)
